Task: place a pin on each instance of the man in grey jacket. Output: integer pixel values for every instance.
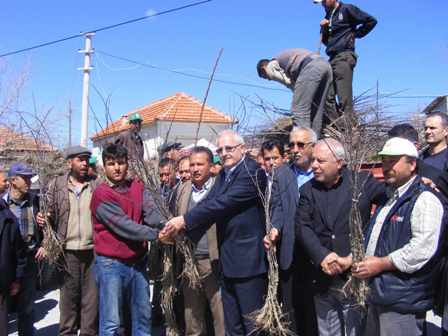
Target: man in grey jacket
(309, 76)
(69, 213)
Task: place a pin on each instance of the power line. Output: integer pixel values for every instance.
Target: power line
(155, 67)
(71, 37)
(151, 66)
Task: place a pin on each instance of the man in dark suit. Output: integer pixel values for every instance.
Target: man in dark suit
(284, 201)
(322, 228)
(234, 205)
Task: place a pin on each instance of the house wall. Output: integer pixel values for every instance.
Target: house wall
(185, 132)
(154, 135)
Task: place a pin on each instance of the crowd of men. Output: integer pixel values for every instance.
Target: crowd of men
(108, 222)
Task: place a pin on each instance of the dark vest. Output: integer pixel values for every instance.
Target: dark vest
(398, 291)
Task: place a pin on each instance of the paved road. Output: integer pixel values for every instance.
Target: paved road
(47, 318)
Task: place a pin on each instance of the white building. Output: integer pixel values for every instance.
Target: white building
(174, 118)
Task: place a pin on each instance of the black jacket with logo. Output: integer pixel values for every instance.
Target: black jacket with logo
(346, 23)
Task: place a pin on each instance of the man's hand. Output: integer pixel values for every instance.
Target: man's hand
(345, 262)
(371, 266)
(166, 239)
(14, 289)
(429, 183)
(174, 226)
(40, 254)
(324, 23)
(270, 239)
(40, 219)
(330, 265)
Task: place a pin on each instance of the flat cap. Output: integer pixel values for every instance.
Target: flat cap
(399, 147)
(20, 169)
(168, 146)
(75, 151)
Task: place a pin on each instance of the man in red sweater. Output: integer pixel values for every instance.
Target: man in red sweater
(124, 219)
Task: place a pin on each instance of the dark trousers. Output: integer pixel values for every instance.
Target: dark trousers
(286, 297)
(3, 315)
(78, 302)
(240, 297)
(25, 298)
(303, 297)
(343, 65)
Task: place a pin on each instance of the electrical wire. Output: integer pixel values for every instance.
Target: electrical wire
(97, 30)
(155, 67)
(151, 66)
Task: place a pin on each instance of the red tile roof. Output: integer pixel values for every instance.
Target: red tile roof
(179, 107)
(14, 141)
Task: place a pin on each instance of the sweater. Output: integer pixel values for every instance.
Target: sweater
(118, 213)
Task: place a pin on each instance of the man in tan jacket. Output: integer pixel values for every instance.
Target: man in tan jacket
(188, 196)
(69, 214)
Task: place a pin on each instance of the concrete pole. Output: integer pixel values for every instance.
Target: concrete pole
(85, 88)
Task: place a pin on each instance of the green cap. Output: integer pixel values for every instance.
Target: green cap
(135, 117)
(216, 159)
(92, 161)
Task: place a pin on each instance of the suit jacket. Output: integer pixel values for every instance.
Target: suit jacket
(322, 220)
(284, 200)
(235, 206)
(183, 196)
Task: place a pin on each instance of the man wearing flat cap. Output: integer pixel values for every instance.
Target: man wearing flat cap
(69, 214)
(403, 249)
(170, 150)
(24, 204)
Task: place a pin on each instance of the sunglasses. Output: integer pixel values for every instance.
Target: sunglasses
(299, 144)
(227, 149)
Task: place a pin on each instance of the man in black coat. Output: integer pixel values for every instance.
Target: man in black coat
(322, 228)
(284, 200)
(234, 205)
(12, 262)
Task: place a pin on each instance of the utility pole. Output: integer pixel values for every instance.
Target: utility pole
(69, 123)
(88, 51)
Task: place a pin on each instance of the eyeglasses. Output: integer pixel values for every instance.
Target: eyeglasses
(299, 144)
(227, 149)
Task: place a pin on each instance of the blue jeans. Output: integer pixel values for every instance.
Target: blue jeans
(119, 283)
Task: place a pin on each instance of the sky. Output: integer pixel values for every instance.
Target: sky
(407, 53)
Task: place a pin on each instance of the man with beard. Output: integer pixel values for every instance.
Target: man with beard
(69, 214)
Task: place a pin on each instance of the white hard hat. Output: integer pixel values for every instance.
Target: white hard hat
(398, 147)
(317, 1)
